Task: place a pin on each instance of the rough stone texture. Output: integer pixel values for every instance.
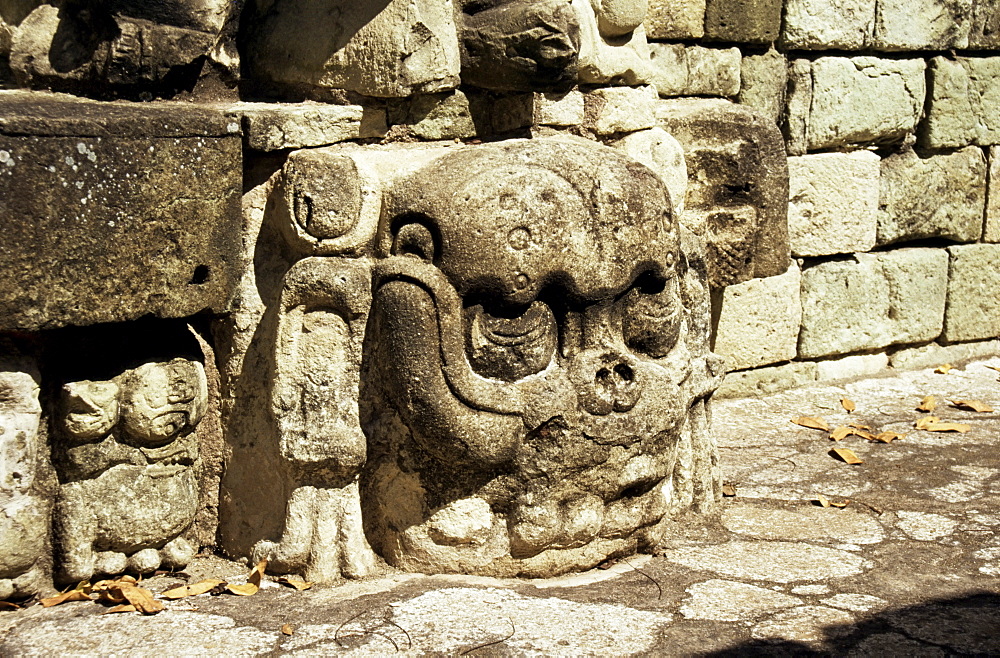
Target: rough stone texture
(727, 600)
(806, 624)
(558, 109)
(622, 109)
(752, 330)
(672, 19)
(922, 25)
(925, 526)
(273, 126)
(684, 70)
(773, 562)
(737, 195)
(515, 45)
(391, 48)
(917, 281)
(24, 515)
(128, 463)
(832, 203)
(828, 24)
(658, 150)
(763, 83)
(964, 105)
(613, 46)
(840, 101)
(973, 310)
(991, 228)
(815, 524)
(765, 381)
(851, 367)
(985, 30)
(844, 306)
(743, 21)
(446, 391)
(112, 212)
(436, 116)
(933, 355)
(936, 196)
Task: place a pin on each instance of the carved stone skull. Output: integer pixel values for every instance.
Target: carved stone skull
(536, 364)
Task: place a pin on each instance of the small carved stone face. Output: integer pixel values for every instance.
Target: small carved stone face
(161, 401)
(90, 409)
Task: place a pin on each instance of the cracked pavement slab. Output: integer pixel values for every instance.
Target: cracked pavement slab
(911, 565)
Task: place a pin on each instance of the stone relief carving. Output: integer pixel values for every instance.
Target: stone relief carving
(24, 516)
(127, 461)
(613, 47)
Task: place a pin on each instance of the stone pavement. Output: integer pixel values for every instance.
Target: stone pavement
(911, 565)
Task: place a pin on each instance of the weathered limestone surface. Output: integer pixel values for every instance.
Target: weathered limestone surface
(277, 126)
(850, 367)
(753, 327)
(832, 203)
(768, 380)
(763, 83)
(436, 116)
(558, 109)
(390, 48)
(613, 46)
(973, 310)
(964, 102)
(844, 306)
(675, 19)
(828, 24)
(737, 195)
(922, 25)
(681, 70)
(658, 150)
(937, 196)
(985, 30)
(917, 282)
(743, 21)
(840, 101)
(991, 229)
(933, 355)
(621, 109)
(111, 212)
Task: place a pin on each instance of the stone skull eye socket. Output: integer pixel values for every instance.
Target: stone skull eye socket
(510, 345)
(651, 315)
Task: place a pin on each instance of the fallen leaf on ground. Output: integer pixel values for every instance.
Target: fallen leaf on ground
(864, 434)
(243, 590)
(925, 421)
(287, 629)
(847, 455)
(889, 437)
(7, 605)
(841, 433)
(947, 427)
(974, 405)
(929, 403)
(858, 426)
(304, 584)
(257, 574)
(812, 423)
(127, 607)
(142, 599)
(183, 591)
(849, 405)
(943, 369)
(76, 594)
(821, 499)
(992, 367)
(840, 503)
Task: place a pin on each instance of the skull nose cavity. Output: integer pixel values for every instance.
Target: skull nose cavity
(615, 387)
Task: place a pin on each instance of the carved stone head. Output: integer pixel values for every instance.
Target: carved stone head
(536, 362)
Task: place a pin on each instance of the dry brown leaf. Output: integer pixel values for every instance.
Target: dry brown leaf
(305, 584)
(943, 369)
(128, 607)
(847, 455)
(841, 433)
(992, 368)
(66, 597)
(948, 427)
(848, 405)
(257, 574)
(975, 405)
(858, 426)
(287, 629)
(864, 434)
(929, 403)
(821, 499)
(925, 421)
(183, 591)
(142, 599)
(243, 590)
(7, 605)
(889, 437)
(812, 423)
(840, 503)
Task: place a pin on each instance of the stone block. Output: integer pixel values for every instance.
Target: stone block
(933, 355)
(743, 21)
(828, 24)
(435, 116)
(964, 103)
(613, 47)
(766, 381)
(682, 70)
(851, 367)
(841, 101)
(991, 229)
(936, 196)
(752, 330)
(917, 282)
(115, 211)
(658, 150)
(277, 126)
(621, 109)
(675, 20)
(558, 109)
(845, 304)
(832, 203)
(763, 83)
(973, 308)
(922, 24)
(985, 31)
(388, 49)
(737, 195)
